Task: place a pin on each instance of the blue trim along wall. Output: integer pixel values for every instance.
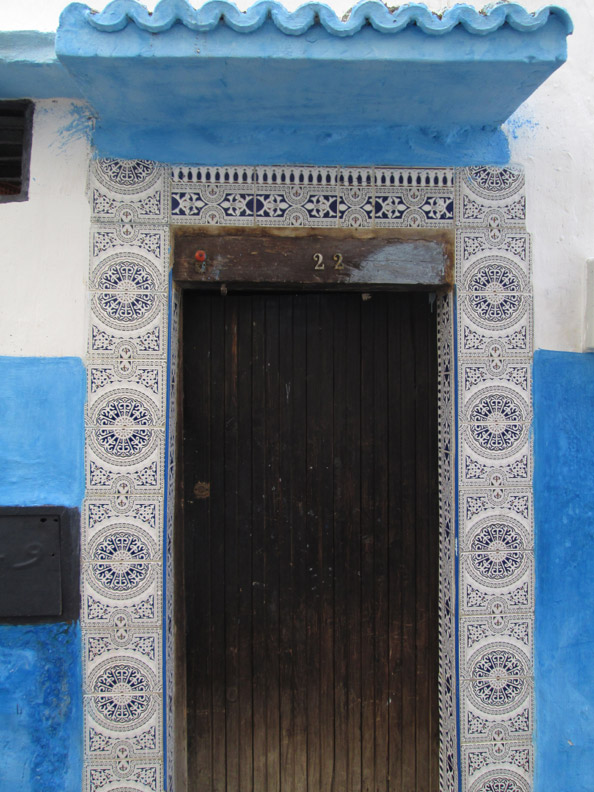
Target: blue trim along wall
(564, 545)
(41, 463)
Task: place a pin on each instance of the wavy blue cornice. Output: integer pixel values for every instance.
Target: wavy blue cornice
(120, 13)
(306, 86)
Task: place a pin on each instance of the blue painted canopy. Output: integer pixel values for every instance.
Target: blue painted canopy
(397, 87)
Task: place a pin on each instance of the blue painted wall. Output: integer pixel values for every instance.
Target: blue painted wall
(41, 431)
(41, 463)
(564, 545)
(40, 708)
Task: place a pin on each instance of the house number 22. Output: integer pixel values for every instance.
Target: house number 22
(319, 259)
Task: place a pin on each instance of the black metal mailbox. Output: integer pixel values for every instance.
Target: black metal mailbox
(39, 564)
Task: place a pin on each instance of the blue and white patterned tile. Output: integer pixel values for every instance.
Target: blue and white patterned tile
(101, 744)
(146, 513)
(122, 324)
(513, 760)
(506, 243)
(117, 481)
(213, 204)
(122, 346)
(126, 276)
(498, 780)
(356, 177)
(494, 590)
(145, 209)
(125, 177)
(413, 198)
(140, 243)
(490, 344)
(412, 207)
(516, 630)
(122, 640)
(296, 205)
(124, 425)
(310, 176)
(101, 612)
(476, 726)
(494, 372)
(121, 562)
(355, 205)
(145, 377)
(494, 529)
(495, 423)
(128, 192)
(493, 581)
(491, 195)
(135, 712)
(125, 772)
(477, 469)
(424, 178)
(183, 175)
(494, 293)
(497, 678)
(497, 499)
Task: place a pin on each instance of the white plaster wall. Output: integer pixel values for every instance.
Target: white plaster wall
(44, 242)
(552, 136)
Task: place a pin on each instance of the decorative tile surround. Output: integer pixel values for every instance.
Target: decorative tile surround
(485, 347)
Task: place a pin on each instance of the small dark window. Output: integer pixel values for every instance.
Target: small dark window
(16, 119)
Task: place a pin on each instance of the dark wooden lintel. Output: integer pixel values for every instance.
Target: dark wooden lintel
(307, 258)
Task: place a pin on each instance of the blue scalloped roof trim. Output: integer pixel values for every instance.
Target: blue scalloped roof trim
(120, 13)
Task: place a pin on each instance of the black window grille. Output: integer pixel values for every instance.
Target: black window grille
(16, 120)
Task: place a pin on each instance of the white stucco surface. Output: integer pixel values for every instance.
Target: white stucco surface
(552, 136)
(45, 240)
(44, 251)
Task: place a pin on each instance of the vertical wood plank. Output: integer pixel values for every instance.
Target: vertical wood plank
(323, 507)
(231, 542)
(298, 396)
(368, 358)
(197, 539)
(244, 573)
(342, 519)
(272, 516)
(396, 561)
(217, 495)
(380, 520)
(352, 510)
(313, 377)
(258, 478)
(408, 570)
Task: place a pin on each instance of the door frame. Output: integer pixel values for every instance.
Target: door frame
(485, 469)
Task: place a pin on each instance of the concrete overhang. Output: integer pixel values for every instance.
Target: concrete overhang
(403, 86)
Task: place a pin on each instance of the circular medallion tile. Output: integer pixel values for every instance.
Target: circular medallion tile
(122, 694)
(123, 427)
(493, 182)
(127, 176)
(497, 422)
(500, 781)
(498, 678)
(495, 293)
(121, 561)
(125, 287)
(497, 551)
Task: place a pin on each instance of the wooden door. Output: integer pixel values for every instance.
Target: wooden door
(311, 539)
